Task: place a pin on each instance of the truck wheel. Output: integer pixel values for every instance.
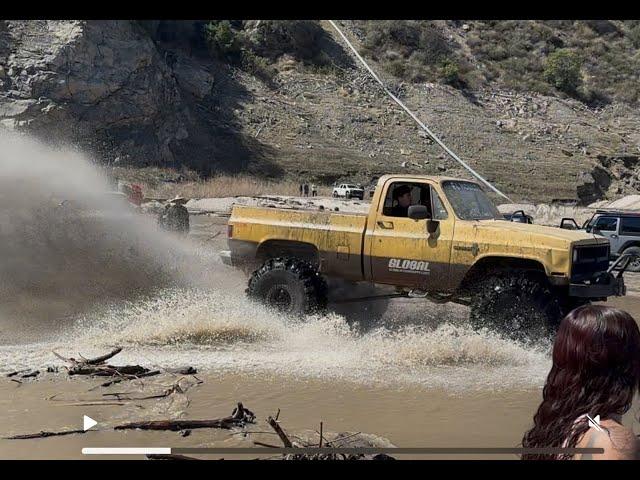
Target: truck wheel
(634, 265)
(335, 194)
(516, 305)
(289, 285)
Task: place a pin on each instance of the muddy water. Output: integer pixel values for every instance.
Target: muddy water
(410, 372)
(417, 376)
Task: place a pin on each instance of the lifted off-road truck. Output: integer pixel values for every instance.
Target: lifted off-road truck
(450, 244)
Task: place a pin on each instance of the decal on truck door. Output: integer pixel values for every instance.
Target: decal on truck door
(409, 266)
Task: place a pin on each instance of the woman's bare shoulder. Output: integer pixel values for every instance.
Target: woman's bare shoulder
(619, 442)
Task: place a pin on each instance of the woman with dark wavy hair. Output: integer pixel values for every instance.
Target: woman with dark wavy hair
(596, 371)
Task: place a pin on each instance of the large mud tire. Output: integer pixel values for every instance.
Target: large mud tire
(289, 285)
(518, 305)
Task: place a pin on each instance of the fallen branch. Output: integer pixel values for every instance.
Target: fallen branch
(96, 366)
(182, 370)
(283, 436)
(265, 444)
(119, 395)
(103, 358)
(108, 370)
(131, 377)
(43, 434)
(177, 425)
(239, 418)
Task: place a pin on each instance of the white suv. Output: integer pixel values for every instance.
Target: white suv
(348, 190)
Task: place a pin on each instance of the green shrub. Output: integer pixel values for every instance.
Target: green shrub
(562, 70)
(258, 66)
(396, 68)
(302, 39)
(221, 39)
(410, 50)
(450, 73)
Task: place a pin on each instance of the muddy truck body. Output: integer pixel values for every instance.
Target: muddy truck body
(451, 244)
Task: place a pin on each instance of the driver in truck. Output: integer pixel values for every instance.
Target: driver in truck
(402, 196)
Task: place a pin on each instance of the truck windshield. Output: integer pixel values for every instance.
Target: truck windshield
(470, 202)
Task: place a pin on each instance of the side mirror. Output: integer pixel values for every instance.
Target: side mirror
(418, 212)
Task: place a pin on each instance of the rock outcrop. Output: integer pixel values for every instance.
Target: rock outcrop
(101, 84)
(154, 93)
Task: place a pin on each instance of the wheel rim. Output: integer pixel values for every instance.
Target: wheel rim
(279, 298)
(635, 264)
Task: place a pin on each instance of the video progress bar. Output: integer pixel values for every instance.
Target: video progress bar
(346, 451)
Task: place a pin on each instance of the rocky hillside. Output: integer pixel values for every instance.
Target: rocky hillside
(285, 99)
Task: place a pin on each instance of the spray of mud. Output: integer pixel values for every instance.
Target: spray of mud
(68, 244)
(81, 273)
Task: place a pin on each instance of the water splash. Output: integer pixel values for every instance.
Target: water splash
(81, 282)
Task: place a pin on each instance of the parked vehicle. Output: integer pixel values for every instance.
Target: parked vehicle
(621, 227)
(348, 190)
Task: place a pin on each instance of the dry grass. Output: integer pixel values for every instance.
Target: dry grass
(229, 186)
(164, 183)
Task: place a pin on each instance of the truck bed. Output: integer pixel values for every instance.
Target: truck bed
(337, 237)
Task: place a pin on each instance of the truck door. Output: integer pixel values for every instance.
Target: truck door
(401, 251)
(608, 227)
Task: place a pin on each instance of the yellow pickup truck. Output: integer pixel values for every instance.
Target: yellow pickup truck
(435, 237)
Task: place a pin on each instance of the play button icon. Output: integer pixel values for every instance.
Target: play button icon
(88, 423)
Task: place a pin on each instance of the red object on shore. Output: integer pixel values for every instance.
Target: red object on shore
(135, 194)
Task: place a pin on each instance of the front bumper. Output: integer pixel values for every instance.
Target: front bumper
(610, 286)
(605, 284)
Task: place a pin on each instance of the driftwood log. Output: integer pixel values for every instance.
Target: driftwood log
(283, 436)
(239, 418)
(96, 367)
(43, 434)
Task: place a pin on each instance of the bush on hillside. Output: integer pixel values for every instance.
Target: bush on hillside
(562, 70)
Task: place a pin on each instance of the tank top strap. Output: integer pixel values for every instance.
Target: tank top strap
(575, 424)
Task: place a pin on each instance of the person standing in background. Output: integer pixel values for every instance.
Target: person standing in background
(306, 189)
(314, 190)
(175, 216)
